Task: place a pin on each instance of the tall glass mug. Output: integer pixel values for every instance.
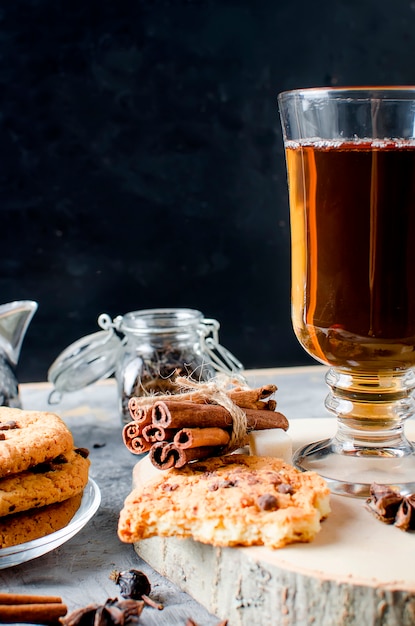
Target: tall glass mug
(350, 157)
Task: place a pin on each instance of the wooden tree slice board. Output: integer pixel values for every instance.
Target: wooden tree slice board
(358, 571)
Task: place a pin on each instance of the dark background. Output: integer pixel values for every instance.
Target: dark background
(141, 156)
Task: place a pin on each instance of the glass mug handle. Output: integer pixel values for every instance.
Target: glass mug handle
(222, 360)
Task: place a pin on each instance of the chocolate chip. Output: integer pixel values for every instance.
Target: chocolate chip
(227, 483)
(10, 425)
(251, 480)
(84, 452)
(275, 479)
(42, 468)
(285, 488)
(2, 436)
(267, 502)
(60, 459)
(168, 487)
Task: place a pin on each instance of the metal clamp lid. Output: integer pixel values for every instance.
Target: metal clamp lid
(84, 362)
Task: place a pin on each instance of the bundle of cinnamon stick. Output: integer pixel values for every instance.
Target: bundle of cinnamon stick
(30, 609)
(186, 427)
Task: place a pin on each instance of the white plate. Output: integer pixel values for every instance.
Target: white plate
(24, 552)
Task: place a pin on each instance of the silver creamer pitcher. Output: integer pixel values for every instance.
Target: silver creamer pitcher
(15, 318)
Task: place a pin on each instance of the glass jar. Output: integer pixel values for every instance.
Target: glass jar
(146, 350)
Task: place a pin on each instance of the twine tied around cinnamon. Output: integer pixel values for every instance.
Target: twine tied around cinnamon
(212, 391)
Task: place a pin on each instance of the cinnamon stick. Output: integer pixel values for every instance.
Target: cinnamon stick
(200, 437)
(244, 398)
(140, 413)
(153, 433)
(176, 414)
(23, 598)
(42, 613)
(165, 455)
(243, 402)
(269, 405)
(133, 438)
(262, 420)
(253, 398)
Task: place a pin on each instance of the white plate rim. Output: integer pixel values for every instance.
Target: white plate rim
(15, 555)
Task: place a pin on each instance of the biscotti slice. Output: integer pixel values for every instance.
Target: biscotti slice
(33, 524)
(45, 483)
(233, 500)
(28, 438)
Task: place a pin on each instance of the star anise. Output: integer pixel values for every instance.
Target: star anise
(391, 507)
(405, 517)
(113, 613)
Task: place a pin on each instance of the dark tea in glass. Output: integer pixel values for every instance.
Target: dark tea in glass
(350, 157)
(353, 237)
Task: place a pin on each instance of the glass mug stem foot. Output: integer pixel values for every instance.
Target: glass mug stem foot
(370, 444)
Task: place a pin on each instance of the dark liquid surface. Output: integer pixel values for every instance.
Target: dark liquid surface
(353, 247)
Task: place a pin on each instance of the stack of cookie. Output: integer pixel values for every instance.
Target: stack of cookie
(42, 475)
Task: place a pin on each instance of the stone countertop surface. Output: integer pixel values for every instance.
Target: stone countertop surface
(79, 570)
